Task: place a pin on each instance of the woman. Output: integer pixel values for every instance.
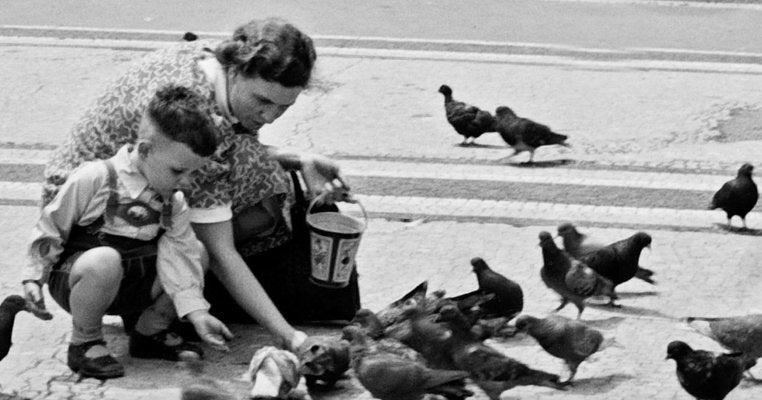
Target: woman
(241, 201)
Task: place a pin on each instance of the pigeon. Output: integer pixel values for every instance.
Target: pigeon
(494, 372)
(741, 334)
(618, 262)
(431, 339)
(509, 299)
(523, 134)
(10, 306)
(469, 121)
(584, 281)
(569, 340)
(202, 387)
(556, 265)
(390, 339)
(392, 313)
(737, 196)
(369, 322)
(578, 244)
(706, 375)
(323, 360)
(388, 376)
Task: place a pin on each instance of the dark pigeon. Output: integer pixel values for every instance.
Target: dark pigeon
(618, 262)
(706, 375)
(509, 299)
(584, 281)
(578, 244)
(190, 37)
(469, 121)
(737, 196)
(523, 134)
(556, 264)
(10, 306)
(431, 339)
(569, 340)
(388, 376)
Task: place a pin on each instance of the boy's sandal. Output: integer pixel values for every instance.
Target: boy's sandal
(165, 345)
(103, 367)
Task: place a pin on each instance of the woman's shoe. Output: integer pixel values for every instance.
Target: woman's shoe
(103, 367)
(165, 345)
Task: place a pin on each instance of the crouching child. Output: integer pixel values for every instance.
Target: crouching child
(117, 240)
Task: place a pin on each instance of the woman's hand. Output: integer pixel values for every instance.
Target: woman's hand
(210, 329)
(321, 174)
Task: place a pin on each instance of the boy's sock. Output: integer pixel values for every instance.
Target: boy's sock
(84, 334)
(157, 317)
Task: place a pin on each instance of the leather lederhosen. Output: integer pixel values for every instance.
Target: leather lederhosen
(138, 256)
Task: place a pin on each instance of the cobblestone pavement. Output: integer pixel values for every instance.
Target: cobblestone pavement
(684, 113)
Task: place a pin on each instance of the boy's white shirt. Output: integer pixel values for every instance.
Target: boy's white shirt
(82, 200)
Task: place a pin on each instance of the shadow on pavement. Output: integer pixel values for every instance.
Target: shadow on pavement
(635, 295)
(540, 164)
(738, 231)
(598, 385)
(480, 146)
(636, 311)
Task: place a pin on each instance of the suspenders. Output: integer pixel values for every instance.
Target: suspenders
(136, 213)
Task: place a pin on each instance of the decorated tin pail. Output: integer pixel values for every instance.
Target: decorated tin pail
(334, 239)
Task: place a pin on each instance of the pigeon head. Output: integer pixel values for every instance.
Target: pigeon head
(567, 230)
(445, 90)
(523, 322)
(479, 264)
(642, 239)
(677, 350)
(13, 304)
(746, 170)
(546, 240)
(353, 334)
(449, 312)
(504, 111)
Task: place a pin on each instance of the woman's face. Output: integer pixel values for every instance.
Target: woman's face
(256, 102)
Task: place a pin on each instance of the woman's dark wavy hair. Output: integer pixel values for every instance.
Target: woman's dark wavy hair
(271, 49)
(182, 115)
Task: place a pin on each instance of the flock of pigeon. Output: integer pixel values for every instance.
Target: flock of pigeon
(428, 345)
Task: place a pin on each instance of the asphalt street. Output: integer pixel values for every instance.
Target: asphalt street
(654, 132)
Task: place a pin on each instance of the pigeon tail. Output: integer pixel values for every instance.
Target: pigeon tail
(542, 378)
(645, 274)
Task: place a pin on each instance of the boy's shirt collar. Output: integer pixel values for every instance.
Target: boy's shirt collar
(127, 170)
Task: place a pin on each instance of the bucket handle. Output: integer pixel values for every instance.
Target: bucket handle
(350, 200)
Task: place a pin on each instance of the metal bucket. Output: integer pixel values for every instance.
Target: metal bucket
(334, 240)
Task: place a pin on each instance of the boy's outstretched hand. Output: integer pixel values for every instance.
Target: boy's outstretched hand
(210, 329)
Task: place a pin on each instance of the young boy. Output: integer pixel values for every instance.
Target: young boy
(117, 240)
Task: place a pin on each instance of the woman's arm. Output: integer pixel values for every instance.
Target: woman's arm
(230, 268)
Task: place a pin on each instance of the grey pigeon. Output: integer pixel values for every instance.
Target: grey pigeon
(741, 334)
(509, 299)
(431, 339)
(494, 372)
(706, 375)
(392, 313)
(387, 376)
(468, 120)
(737, 196)
(569, 340)
(578, 244)
(523, 134)
(556, 264)
(584, 281)
(618, 262)
(323, 360)
(390, 339)
(10, 306)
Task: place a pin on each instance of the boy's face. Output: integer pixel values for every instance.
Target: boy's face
(166, 164)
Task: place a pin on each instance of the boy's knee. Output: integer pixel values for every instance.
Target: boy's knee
(101, 263)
